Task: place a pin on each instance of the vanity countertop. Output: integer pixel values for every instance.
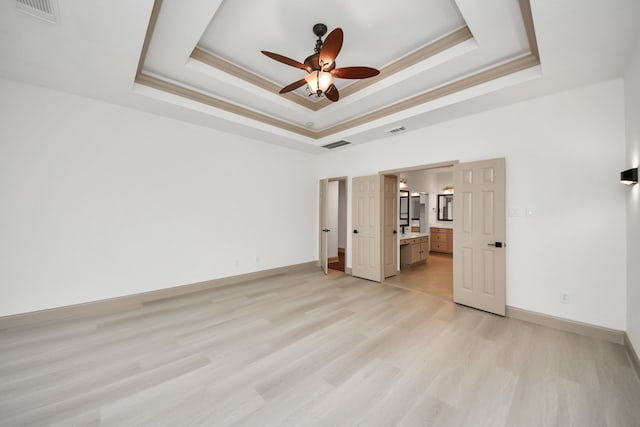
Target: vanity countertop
(411, 235)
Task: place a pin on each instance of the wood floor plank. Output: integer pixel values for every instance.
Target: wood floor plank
(303, 348)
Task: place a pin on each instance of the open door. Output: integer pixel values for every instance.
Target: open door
(479, 276)
(324, 232)
(390, 225)
(365, 220)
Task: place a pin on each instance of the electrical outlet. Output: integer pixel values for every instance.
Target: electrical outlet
(564, 297)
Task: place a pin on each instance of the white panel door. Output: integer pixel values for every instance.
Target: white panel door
(365, 222)
(390, 224)
(479, 276)
(324, 232)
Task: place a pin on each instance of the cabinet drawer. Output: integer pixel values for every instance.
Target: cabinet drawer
(441, 247)
(438, 237)
(440, 230)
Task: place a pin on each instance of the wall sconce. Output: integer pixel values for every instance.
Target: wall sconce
(629, 177)
(447, 190)
(403, 183)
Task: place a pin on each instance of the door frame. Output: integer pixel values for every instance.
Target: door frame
(323, 238)
(322, 204)
(383, 248)
(397, 171)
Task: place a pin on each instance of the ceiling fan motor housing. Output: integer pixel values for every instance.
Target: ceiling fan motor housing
(319, 30)
(313, 63)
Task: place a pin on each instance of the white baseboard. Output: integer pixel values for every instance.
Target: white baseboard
(633, 355)
(586, 329)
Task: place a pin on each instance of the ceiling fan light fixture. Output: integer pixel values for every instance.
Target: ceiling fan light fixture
(318, 81)
(321, 66)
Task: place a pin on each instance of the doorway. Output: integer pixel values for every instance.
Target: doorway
(425, 249)
(333, 213)
(477, 209)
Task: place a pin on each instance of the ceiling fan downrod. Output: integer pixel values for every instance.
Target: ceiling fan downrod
(319, 30)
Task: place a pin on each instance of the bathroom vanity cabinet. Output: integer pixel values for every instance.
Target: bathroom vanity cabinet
(442, 240)
(414, 249)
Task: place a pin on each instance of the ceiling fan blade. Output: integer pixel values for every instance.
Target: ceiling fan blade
(355, 72)
(331, 47)
(332, 93)
(284, 60)
(293, 86)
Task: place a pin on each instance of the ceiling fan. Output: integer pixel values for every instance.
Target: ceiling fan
(321, 66)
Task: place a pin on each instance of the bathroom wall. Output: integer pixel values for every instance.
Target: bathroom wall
(432, 182)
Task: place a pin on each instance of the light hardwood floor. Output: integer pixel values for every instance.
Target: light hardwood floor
(435, 276)
(304, 349)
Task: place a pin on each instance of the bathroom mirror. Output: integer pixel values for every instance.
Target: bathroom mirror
(445, 207)
(415, 208)
(404, 208)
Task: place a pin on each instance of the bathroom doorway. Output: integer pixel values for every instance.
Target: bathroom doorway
(425, 250)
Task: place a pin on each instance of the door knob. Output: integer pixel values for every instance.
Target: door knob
(496, 244)
(395, 232)
(355, 231)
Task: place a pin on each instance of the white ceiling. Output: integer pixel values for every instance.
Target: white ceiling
(95, 48)
(377, 33)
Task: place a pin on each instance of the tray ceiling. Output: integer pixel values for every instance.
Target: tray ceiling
(199, 61)
(426, 50)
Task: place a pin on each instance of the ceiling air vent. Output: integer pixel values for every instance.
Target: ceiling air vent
(336, 144)
(42, 9)
(396, 130)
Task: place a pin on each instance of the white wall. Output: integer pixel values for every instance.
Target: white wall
(99, 201)
(563, 157)
(632, 104)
